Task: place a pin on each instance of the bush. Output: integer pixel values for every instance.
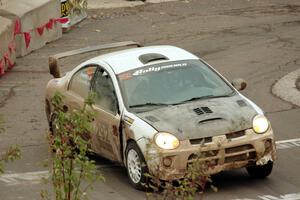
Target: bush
(72, 172)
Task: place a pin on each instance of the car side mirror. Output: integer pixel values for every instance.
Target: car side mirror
(239, 84)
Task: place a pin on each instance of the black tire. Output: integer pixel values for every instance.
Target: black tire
(260, 172)
(140, 182)
(52, 133)
(51, 124)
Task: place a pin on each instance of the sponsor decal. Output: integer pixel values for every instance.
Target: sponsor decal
(157, 68)
(125, 76)
(128, 120)
(65, 8)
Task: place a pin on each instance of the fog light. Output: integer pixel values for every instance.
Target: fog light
(167, 161)
(268, 146)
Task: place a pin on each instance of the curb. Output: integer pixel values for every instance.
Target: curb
(287, 88)
(105, 4)
(7, 47)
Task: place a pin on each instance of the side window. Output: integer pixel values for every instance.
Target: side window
(81, 81)
(105, 92)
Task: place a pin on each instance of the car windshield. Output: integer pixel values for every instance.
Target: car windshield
(171, 83)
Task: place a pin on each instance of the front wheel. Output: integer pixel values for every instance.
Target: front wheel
(260, 171)
(136, 166)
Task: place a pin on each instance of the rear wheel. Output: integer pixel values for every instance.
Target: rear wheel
(52, 125)
(260, 171)
(52, 132)
(136, 166)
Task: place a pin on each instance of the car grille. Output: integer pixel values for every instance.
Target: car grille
(238, 148)
(235, 134)
(239, 153)
(201, 140)
(244, 152)
(205, 140)
(240, 157)
(204, 154)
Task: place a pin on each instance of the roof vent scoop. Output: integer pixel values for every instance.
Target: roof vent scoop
(150, 57)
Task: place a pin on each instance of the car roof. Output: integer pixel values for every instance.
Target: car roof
(125, 60)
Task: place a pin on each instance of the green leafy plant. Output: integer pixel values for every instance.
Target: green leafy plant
(191, 186)
(11, 154)
(72, 172)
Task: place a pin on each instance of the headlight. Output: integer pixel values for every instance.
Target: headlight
(260, 124)
(166, 141)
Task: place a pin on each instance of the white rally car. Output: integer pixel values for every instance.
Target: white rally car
(171, 98)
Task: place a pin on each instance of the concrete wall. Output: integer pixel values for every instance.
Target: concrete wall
(31, 15)
(7, 44)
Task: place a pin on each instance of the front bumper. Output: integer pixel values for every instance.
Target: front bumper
(218, 153)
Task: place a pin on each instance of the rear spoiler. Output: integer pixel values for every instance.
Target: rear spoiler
(53, 60)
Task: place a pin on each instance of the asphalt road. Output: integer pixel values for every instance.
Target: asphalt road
(257, 40)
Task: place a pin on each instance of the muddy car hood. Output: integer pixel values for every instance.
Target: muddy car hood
(203, 118)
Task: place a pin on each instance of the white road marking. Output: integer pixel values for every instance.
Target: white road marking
(286, 89)
(287, 144)
(35, 177)
(18, 178)
(292, 196)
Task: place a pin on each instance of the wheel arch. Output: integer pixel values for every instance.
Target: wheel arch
(128, 140)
